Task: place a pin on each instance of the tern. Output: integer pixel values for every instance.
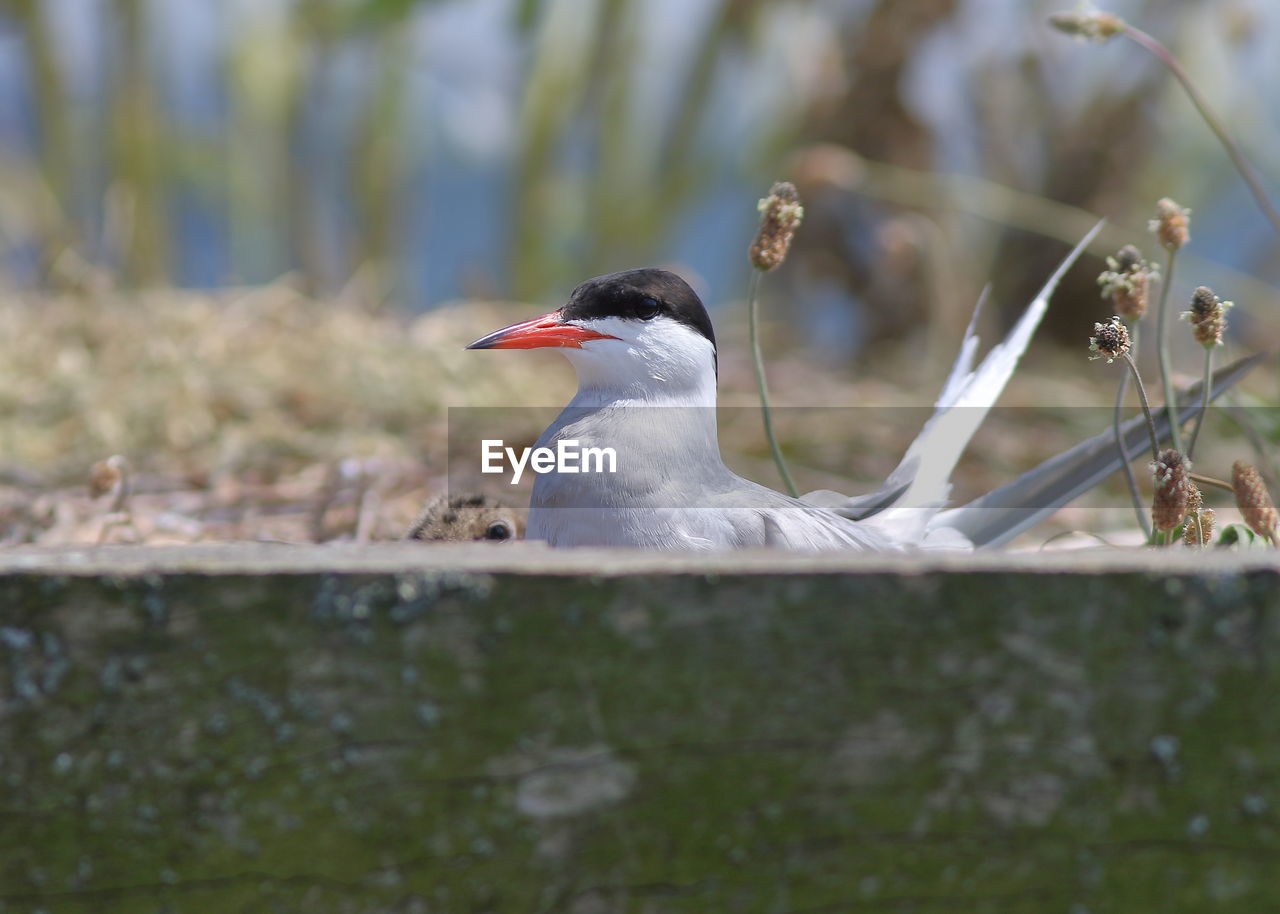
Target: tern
(644, 351)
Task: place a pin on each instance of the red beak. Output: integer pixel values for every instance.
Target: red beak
(548, 330)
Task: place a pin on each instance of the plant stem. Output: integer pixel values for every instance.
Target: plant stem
(758, 363)
(1132, 483)
(1204, 400)
(1147, 42)
(1210, 481)
(1146, 407)
(1162, 351)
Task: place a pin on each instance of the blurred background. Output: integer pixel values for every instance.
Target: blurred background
(231, 230)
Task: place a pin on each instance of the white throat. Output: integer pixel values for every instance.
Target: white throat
(650, 394)
(658, 363)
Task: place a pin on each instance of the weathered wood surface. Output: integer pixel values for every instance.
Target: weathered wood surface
(508, 729)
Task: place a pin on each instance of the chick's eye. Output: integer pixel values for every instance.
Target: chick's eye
(648, 308)
(498, 530)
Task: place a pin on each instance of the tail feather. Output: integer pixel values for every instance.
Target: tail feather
(968, 398)
(1000, 515)
(922, 478)
(962, 370)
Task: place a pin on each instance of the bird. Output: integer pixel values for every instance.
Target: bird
(461, 518)
(644, 350)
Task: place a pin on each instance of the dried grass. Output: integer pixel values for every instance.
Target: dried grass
(263, 414)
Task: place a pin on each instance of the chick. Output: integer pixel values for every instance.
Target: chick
(466, 517)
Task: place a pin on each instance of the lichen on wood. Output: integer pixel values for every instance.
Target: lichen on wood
(517, 735)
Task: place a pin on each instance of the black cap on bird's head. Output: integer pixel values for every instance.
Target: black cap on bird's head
(632, 295)
(640, 295)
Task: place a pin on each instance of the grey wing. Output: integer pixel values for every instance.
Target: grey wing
(768, 518)
(998, 516)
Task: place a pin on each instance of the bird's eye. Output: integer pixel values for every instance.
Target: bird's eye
(498, 530)
(648, 308)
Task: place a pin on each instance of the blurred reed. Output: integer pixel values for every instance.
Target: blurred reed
(643, 175)
(602, 170)
(267, 188)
